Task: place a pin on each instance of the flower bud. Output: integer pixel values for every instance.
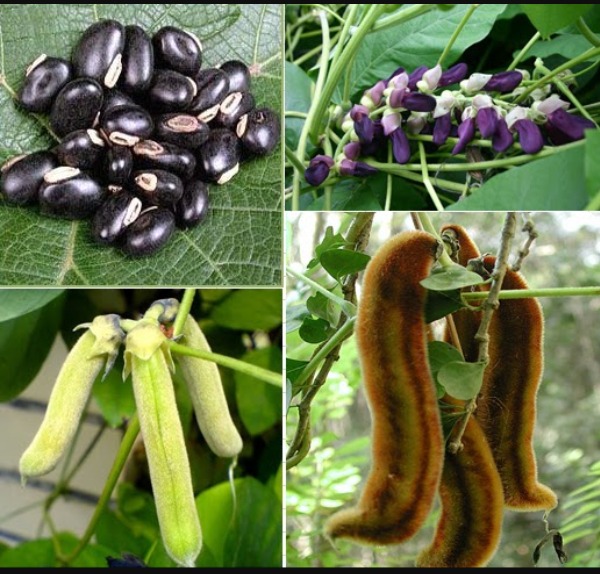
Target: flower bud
(318, 170)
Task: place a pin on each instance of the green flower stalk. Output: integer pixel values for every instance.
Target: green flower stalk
(96, 349)
(148, 360)
(203, 382)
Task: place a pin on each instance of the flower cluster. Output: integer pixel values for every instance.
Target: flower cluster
(482, 106)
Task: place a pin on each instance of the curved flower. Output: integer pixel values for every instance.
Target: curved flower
(356, 168)
(352, 150)
(417, 102)
(466, 132)
(453, 75)
(442, 129)
(563, 127)
(487, 121)
(430, 80)
(504, 82)
(363, 124)
(373, 96)
(318, 170)
(400, 146)
(502, 138)
(530, 135)
(415, 76)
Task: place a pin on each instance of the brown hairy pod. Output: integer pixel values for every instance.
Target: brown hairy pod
(407, 440)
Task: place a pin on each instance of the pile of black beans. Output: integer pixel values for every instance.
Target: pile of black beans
(144, 130)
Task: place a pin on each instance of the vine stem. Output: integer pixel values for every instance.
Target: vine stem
(426, 225)
(183, 312)
(133, 428)
(550, 292)
(426, 181)
(587, 33)
(524, 51)
(457, 32)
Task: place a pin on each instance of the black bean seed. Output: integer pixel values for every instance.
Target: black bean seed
(193, 205)
(158, 187)
(126, 125)
(43, 80)
(22, 176)
(82, 148)
(182, 130)
(177, 50)
(213, 87)
(114, 216)
(149, 232)
(119, 165)
(233, 107)
(98, 53)
(113, 99)
(76, 106)
(219, 156)
(238, 74)
(149, 154)
(259, 131)
(171, 91)
(70, 194)
(138, 61)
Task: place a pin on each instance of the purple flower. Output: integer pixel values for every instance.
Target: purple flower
(356, 168)
(396, 98)
(442, 128)
(318, 169)
(466, 132)
(397, 72)
(372, 97)
(363, 124)
(453, 75)
(564, 127)
(400, 146)
(352, 150)
(502, 138)
(417, 102)
(504, 82)
(530, 135)
(487, 120)
(415, 76)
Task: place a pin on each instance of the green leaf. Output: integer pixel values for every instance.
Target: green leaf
(36, 553)
(341, 262)
(17, 302)
(329, 241)
(441, 353)
(419, 42)
(298, 90)
(566, 45)
(441, 303)
(555, 183)
(448, 278)
(293, 368)
(314, 331)
(550, 18)
(349, 195)
(240, 241)
(114, 532)
(461, 380)
(323, 307)
(249, 310)
(592, 167)
(24, 345)
(259, 403)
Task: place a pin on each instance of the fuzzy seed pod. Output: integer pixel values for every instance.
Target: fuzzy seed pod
(203, 382)
(469, 529)
(96, 349)
(506, 409)
(407, 441)
(148, 362)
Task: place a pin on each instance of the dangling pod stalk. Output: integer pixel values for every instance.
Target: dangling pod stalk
(407, 440)
(150, 364)
(96, 349)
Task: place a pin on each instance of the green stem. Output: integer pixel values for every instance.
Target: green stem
(524, 51)
(328, 188)
(426, 224)
(341, 335)
(240, 366)
(348, 22)
(133, 429)
(348, 308)
(291, 157)
(184, 310)
(549, 292)
(587, 33)
(457, 32)
(426, 181)
(299, 115)
(390, 181)
(594, 204)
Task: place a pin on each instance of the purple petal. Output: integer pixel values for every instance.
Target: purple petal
(318, 169)
(396, 98)
(453, 75)
(466, 131)
(375, 93)
(502, 138)
(530, 135)
(364, 129)
(417, 102)
(400, 146)
(349, 167)
(441, 129)
(415, 76)
(504, 82)
(352, 150)
(572, 127)
(396, 73)
(487, 120)
(391, 122)
(357, 112)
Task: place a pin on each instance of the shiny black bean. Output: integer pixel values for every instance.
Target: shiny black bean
(219, 156)
(233, 107)
(119, 165)
(149, 232)
(99, 52)
(177, 50)
(239, 76)
(69, 193)
(259, 131)
(193, 205)
(84, 149)
(171, 91)
(113, 99)
(114, 216)
(138, 61)
(149, 154)
(183, 130)
(22, 176)
(126, 125)
(158, 187)
(43, 80)
(76, 106)
(213, 87)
